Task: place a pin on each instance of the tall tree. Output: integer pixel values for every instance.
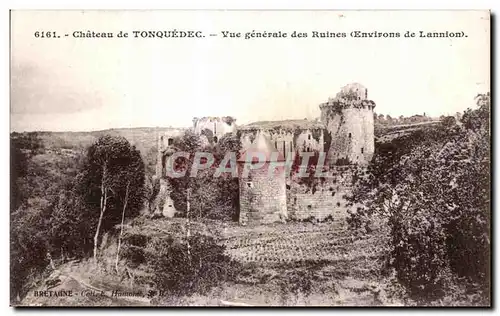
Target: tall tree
(106, 175)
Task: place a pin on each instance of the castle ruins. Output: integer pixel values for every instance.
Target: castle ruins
(344, 133)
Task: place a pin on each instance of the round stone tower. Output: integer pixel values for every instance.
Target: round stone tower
(262, 194)
(349, 119)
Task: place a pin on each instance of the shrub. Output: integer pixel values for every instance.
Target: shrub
(191, 265)
(419, 254)
(134, 249)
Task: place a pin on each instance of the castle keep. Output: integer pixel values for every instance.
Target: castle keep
(348, 118)
(344, 133)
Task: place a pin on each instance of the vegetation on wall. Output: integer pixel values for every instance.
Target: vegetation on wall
(310, 180)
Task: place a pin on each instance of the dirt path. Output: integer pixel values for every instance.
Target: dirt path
(56, 288)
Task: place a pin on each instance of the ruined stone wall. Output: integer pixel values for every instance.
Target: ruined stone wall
(262, 198)
(287, 142)
(162, 204)
(217, 125)
(356, 89)
(327, 200)
(165, 139)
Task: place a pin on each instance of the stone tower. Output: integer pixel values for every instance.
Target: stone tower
(348, 119)
(262, 196)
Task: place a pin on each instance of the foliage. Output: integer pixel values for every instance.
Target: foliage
(211, 197)
(112, 162)
(69, 227)
(18, 166)
(433, 187)
(54, 217)
(134, 249)
(150, 160)
(387, 120)
(36, 176)
(28, 249)
(188, 266)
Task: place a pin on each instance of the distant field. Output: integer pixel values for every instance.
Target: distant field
(143, 138)
(387, 133)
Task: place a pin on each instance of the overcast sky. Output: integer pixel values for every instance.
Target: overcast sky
(71, 84)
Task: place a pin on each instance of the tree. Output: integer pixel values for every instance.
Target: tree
(18, 169)
(28, 249)
(104, 182)
(448, 121)
(134, 175)
(69, 226)
(212, 197)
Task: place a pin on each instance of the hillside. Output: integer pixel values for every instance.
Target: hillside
(144, 138)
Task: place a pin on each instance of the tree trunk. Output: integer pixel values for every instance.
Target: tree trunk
(188, 228)
(121, 228)
(104, 197)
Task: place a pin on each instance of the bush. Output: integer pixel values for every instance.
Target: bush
(419, 255)
(187, 266)
(134, 246)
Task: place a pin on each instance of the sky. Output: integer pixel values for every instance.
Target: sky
(84, 84)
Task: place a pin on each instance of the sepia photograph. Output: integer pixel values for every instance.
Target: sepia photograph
(250, 158)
